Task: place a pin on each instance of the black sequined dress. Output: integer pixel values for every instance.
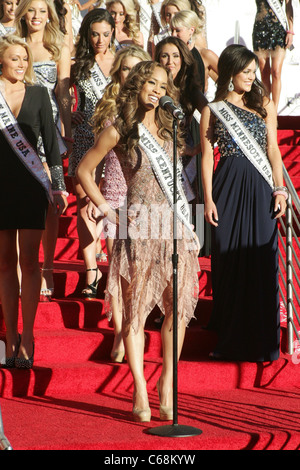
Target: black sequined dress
(268, 32)
(244, 252)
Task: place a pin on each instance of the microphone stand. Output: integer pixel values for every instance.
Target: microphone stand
(175, 430)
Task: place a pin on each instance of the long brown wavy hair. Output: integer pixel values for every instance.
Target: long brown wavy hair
(84, 55)
(233, 60)
(187, 79)
(128, 108)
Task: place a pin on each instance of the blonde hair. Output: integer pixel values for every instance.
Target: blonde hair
(179, 4)
(53, 37)
(106, 107)
(131, 17)
(12, 40)
(188, 19)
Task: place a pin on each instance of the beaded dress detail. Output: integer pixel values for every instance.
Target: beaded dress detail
(46, 74)
(83, 133)
(143, 258)
(268, 32)
(244, 251)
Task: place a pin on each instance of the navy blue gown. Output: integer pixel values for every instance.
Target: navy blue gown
(244, 252)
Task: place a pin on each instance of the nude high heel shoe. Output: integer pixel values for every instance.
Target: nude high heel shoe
(165, 412)
(141, 415)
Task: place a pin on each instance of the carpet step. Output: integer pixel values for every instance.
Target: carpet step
(69, 277)
(84, 345)
(228, 420)
(292, 168)
(288, 136)
(47, 378)
(290, 153)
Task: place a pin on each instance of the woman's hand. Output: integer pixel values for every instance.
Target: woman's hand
(77, 117)
(211, 213)
(107, 211)
(279, 206)
(92, 212)
(60, 203)
(289, 40)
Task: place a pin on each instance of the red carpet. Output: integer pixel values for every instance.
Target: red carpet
(74, 398)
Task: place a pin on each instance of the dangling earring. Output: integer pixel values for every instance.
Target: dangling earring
(231, 85)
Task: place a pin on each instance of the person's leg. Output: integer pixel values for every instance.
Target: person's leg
(265, 68)
(165, 383)
(276, 69)
(134, 346)
(9, 288)
(117, 353)
(87, 234)
(49, 239)
(29, 242)
(166, 378)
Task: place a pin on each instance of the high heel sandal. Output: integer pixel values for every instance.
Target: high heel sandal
(92, 287)
(22, 363)
(46, 292)
(165, 412)
(10, 361)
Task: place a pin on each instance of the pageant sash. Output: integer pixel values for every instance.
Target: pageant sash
(279, 12)
(22, 148)
(243, 139)
(3, 31)
(98, 81)
(145, 19)
(163, 170)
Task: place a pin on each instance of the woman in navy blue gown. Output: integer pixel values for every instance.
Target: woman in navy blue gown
(243, 200)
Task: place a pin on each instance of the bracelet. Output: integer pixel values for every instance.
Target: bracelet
(291, 32)
(281, 188)
(64, 193)
(281, 193)
(68, 139)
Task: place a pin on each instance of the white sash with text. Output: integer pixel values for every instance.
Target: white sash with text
(22, 148)
(163, 170)
(98, 81)
(243, 139)
(279, 12)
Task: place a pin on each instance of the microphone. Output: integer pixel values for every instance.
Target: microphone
(167, 104)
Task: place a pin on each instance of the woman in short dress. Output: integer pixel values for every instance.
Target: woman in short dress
(143, 258)
(37, 22)
(113, 186)
(23, 196)
(94, 55)
(270, 42)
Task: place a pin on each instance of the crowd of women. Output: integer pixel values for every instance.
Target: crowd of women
(87, 88)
